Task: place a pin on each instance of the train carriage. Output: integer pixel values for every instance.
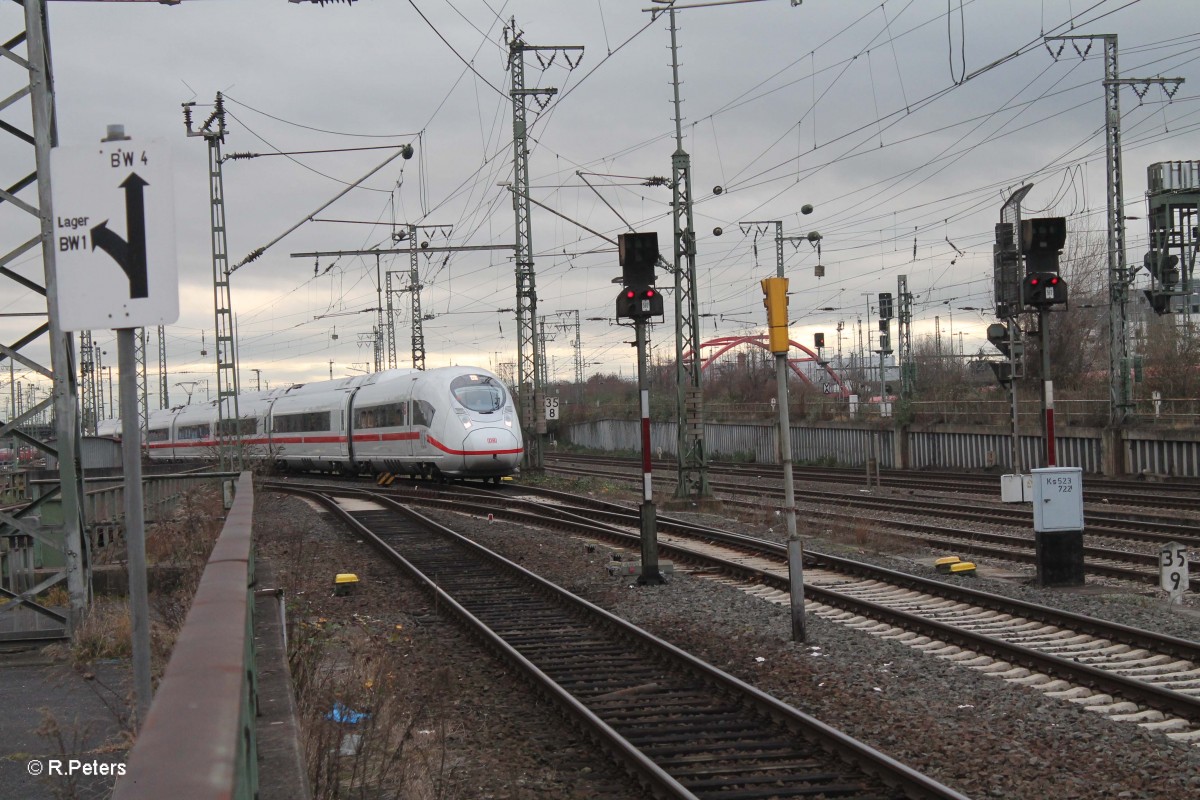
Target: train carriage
(308, 425)
(446, 422)
(453, 421)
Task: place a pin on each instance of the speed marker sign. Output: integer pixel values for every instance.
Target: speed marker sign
(1173, 561)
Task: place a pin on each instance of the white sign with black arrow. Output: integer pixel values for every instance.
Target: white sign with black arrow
(114, 235)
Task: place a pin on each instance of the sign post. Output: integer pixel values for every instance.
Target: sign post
(1173, 561)
(551, 408)
(107, 280)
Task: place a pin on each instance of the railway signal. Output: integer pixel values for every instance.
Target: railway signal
(1042, 239)
(637, 254)
(639, 300)
(1164, 268)
(775, 300)
(886, 309)
(639, 303)
(1043, 289)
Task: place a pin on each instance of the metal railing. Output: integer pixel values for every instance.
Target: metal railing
(104, 501)
(198, 741)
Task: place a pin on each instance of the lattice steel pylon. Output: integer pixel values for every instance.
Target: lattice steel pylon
(577, 345)
(38, 88)
(391, 320)
(1119, 276)
(139, 355)
(164, 397)
(529, 354)
(418, 316)
(414, 287)
(693, 459)
(228, 434)
(89, 406)
(908, 367)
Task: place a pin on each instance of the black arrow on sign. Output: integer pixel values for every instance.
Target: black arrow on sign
(129, 255)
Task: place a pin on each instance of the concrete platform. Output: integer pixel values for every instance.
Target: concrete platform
(89, 710)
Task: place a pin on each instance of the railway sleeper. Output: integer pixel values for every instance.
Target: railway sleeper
(1168, 726)
(1112, 709)
(1143, 715)
(1188, 737)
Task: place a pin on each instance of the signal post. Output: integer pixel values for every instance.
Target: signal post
(639, 300)
(1042, 287)
(121, 283)
(1057, 491)
(779, 340)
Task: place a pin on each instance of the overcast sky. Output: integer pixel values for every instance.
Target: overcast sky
(904, 123)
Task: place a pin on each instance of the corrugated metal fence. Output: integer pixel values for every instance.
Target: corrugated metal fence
(1175, 453)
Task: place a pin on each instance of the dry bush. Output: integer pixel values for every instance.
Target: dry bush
(187, 537)
(105, 632)
(183, 542)
(397, 747)
(58, 597)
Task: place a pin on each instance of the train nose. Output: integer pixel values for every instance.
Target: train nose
(492, 451)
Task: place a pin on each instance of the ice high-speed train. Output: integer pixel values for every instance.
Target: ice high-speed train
(451, 421)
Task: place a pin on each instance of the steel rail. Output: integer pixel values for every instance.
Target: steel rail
(1148, 694)
(955, 538)
(1181, 494)
(1156, 697)
(874, 762)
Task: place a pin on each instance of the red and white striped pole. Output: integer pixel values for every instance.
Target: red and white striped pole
(1047, 385)
(1050, 449)
(649, 516)
(647, 492)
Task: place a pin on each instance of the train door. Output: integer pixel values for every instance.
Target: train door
(349, 430)
(425, 420)
(408, 440)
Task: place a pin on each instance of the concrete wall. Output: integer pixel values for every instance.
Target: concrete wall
(1163, 452)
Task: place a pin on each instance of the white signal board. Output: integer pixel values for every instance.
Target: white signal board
(114, 235)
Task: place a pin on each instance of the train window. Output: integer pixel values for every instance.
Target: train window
(246, 426)
(296, 423)
(423, 413)
(193, 431)
(479, 393)
(391, 415)
(158, 435)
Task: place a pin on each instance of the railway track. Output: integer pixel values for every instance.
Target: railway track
(1125, 673)
(682, 727)
(1118, 561)
(1177, 494)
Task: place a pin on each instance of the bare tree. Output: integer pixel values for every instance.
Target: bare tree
(1079, 331)
(1172, 358)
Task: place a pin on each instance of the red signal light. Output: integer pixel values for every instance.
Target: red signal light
(650, 293)
(1054, 281)
(630, 294)
(1033, 281)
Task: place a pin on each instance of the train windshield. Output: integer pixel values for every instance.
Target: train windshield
(479, 393)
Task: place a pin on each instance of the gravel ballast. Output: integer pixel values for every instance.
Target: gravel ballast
(980, 735)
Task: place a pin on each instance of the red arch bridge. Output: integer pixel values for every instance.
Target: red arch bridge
(713, 349)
